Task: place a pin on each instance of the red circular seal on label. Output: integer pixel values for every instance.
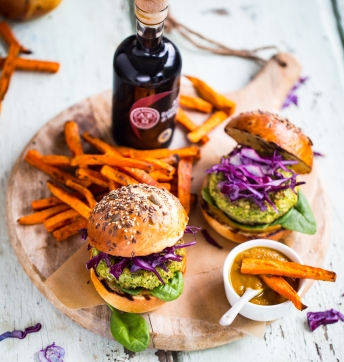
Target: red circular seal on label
(144, 117)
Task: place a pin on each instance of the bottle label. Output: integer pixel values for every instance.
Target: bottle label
(152, 111)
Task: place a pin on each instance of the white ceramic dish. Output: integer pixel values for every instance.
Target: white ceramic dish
(254, 311)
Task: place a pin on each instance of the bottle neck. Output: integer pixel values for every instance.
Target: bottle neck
(149, 36)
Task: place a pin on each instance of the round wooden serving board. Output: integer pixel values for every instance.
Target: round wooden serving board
(41, 255)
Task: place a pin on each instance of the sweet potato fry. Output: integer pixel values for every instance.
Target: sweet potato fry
(100, 145)
(285, 269)
(191, 151)
(72, 201)
(196, 103)
(212, 122)
(72, 137)
(184, 182)
(113, 185)
(83, 191)
(41, 66)
(217, 100)
(61, 219)
(172, 160)
(57, 160)
(185, 121)
(34, 158)
(164, 185)
(86, 160)
(93, 176)
(8, 69)
(282, 287)
(160, 165)
(45, 203)
(140, 175)
(41, 216)
(10, 39)
(70, 230)
(117, 176)
(160, 176)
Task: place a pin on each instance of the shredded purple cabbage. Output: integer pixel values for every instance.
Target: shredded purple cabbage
(84, 233)
(292, 98)
(316, 319)
(210, 240)
(249, 175)
(318, 154)
(21, 334)
(51, 353)
(149, 262)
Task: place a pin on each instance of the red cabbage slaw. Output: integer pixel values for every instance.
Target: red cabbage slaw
(51, 353)
(21, 334)
(316, 319)
(249, 175)
(292, 97)
(149, 262)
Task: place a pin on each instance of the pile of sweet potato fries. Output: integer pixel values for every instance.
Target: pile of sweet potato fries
(94, 175)
(273, 271)
(13, 61)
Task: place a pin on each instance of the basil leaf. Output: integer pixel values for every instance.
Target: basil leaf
(135, 291)
(206, 197)
(171, 290)
(299, 218)
(130, 330)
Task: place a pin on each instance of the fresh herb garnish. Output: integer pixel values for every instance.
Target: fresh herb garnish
(171, 290)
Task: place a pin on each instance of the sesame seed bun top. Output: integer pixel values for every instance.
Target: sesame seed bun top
(136, 220)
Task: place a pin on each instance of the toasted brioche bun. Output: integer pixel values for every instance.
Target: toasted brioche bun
(136, 220)
(141, 303)
(267, 132)
(235, 234)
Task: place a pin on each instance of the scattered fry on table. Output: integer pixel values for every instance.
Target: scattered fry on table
(41, 66)
(10, 39)
(34, 158)
(41, 216)
(117, 176)
(8, 69)
(69, 230)
(113, 185)
(140, 175)
(184, 120)
(216, 99)
(72, 137)
(285, 269)
(87, 160)
(83, 191)
(57, 160)
(61, 219)
(100, 145)
(282, 287)
(160, 165)
(72, 201)
(93, 176)
(213, 121)
(172, 160)
(164, 185)
(184, 182)
(195, 103)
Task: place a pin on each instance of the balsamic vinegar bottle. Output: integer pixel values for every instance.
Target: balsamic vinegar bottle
(147, 70)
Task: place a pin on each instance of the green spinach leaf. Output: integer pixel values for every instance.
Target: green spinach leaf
(135, 291)
(206, 196)
(171, 290)
(130, 330)
(299, 218)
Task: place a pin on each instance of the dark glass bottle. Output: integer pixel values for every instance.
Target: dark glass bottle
(147, 70)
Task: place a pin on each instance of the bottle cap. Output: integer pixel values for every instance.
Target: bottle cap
(151, 12)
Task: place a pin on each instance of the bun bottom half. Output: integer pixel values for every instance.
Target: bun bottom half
(140, 303)
(237, 235)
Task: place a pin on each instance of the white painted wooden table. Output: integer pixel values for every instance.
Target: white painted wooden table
(82, 35)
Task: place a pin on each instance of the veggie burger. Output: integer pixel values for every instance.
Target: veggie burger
(137, 253)
(254, 191)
